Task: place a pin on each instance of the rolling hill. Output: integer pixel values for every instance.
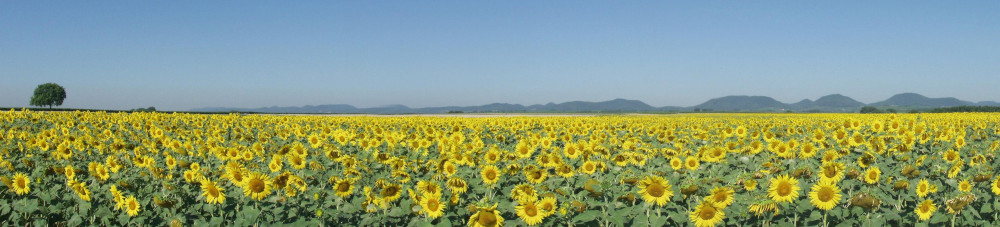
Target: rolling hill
(734, 103)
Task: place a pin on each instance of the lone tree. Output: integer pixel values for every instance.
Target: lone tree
(48, 94)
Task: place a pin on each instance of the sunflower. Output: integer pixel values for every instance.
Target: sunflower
(391, 192)
(132, 206)
(571, 151)
(428, 187)
(655, 190)
(257, 186)
(872, 175)
(344, 188)
(996, 186)
(449, 168)
(589, 167)
(808, 150)
(676, 163)
(965, 186)
(824, 195)
(118, 198)
(212, 192)
(523, 192)
(236, 173)
(535, 175)
(529, 211)
(490, 175)
(783, 189)
(296, 161)
(486, 217)
(924, 187)
(21, 183)
(784, 151)
(275, 164)
(432, 205)
(831, 172)
(315, 141)
(750, 185)
(721, 196)
(950, 156)
(171, 162)
(706, 214)
(691, 163)
(926, 209)
(70, 173)
(101, 172)
(548, 204)
(457, 185)
(81, 189)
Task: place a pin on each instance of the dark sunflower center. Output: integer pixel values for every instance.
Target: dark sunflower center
(655, 190)
(719, 197)
(256, 186)
(214, 192)
(925, 208)
(830, 172)
(486, 218)
(432, 205)
(707, 213)
(825, 194)
(784, 188)
(531, 210)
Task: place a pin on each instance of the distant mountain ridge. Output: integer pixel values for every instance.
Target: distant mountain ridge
(734, 103)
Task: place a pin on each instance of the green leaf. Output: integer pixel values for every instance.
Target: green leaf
(987, 208)
(75, 221)
(587, 216)
(657, 220)
(216, 221)
(939, 218)
(679, 217)
(815, 215)
(846, 223)
(84, 208)
(397, 212)
(444, 222)
(640, 221)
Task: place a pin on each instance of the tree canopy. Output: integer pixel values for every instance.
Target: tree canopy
(48, 94)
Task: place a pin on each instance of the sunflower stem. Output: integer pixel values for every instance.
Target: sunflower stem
(824, 218)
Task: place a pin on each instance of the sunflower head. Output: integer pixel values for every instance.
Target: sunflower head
(530, 212)
(706, 214)
(655, 190)
(132, 206)
(926, 209)
(21, 184)
(486, 217)
(783, 189)
(825, 195)
(257, 186)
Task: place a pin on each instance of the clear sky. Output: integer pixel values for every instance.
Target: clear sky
(178, 55)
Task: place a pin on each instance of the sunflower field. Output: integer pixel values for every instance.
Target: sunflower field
(154, 169)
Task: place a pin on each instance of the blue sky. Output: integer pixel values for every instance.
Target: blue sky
(178, 55)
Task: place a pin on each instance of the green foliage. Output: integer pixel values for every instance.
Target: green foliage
(964, 109)
(48, 94)
(870, 109)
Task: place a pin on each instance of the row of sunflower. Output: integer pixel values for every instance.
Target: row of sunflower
(94, 168)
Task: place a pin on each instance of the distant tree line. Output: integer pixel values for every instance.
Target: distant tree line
(965, 109)
(149, 109)
(872, 109)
